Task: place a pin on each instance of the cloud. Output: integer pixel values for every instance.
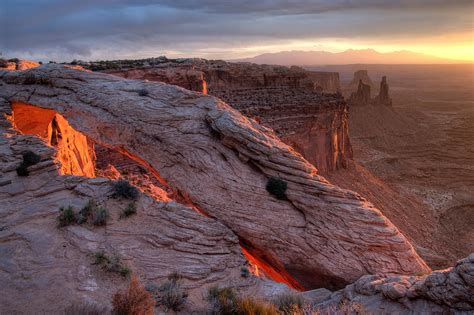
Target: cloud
(112, 28)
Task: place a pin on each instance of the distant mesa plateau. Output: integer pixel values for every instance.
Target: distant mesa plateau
(203, 186)
(348, 57)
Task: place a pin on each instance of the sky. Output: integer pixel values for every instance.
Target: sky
(63, 30)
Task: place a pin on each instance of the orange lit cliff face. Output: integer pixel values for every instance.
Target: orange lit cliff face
(75, 152)
(261, 268)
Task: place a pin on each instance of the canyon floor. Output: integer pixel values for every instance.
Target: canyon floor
(423, 147)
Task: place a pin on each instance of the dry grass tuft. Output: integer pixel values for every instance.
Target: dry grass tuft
(133, 301)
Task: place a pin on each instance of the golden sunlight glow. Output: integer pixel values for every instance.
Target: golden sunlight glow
(457, 47)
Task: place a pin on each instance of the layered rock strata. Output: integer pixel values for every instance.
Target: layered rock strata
(45, 269)
(219, 162)
(288, 100)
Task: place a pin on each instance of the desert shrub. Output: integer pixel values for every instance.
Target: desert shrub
(250, 306)
(86, 211)
(143, 92)
(100, 257)
(86, 309)
(125, 271)
(111, 263)
(123, 189)
(244, 272)
(175, 276)
(289, 303)
(129, 210)
(170, 294)
(22, 170)
(114, 264)
(29, 158)
(223, 301)
(277, 187)
(66, 216)
(135, 300)
(100, 216)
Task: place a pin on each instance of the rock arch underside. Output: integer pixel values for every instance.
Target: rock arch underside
(201, 166)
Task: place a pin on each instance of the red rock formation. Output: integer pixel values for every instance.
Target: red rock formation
(361, 75)
(362, 96)
(74, 151)
(383, 98)
(325, 81)
(17, 64)
(221, 161)
(288, 100)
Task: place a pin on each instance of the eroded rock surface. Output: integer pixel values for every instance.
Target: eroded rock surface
(44, 269)
(288, 100)
(220, 161)
(444, 291)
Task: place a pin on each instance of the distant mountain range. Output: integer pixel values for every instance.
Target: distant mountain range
(350, 56)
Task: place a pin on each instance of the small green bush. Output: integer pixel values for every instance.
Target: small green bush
(170, 294)
(111, 264)
(125, 271)
(289, 303)
(100, 258)
(129, 210)
(114, 264)
(66, 217)
(22, 170)
(29, 158)
(244, 272)
(100, 216)
(277, 187)
(123, 189)
(175, 276)
(87, 211)
(143, 92)
(223, 300)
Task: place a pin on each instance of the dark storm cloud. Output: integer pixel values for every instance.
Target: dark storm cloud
(110, 28)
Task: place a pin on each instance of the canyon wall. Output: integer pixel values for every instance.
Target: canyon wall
(325, 81)
(288, 100)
